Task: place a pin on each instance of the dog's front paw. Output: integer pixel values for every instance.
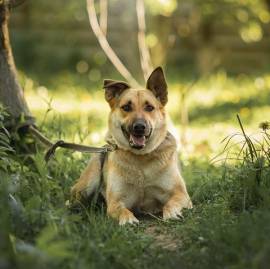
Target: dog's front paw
(127, 217)
(172, 212)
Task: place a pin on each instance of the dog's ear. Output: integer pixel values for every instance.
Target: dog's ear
(113, 89)
(157, 84)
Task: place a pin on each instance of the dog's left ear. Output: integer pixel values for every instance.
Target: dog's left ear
(157, 84)
(113, 89)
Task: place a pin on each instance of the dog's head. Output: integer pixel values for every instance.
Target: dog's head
(137, 121)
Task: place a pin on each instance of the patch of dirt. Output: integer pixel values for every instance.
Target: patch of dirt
(163, 239)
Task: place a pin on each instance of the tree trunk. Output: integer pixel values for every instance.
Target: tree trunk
(11, 93)
(207, 57)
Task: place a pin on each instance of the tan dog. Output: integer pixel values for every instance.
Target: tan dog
(142, 174)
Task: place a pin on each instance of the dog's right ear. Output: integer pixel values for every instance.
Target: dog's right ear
(113, 89)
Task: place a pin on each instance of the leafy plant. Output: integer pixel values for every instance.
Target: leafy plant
(5, 147)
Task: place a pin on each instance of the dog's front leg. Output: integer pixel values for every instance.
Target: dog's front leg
(178, 200)
(119, 212)
(117, 208)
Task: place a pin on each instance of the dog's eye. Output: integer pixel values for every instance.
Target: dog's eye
(149, 108)
(127, 107)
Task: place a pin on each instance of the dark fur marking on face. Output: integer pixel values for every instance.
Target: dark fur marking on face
(148, 107)
(127, 107)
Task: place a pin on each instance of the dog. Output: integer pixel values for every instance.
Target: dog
(142, 174)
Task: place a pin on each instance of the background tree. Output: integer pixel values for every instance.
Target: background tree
(11, 93)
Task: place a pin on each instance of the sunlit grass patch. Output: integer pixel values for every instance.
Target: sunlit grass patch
(212, 103)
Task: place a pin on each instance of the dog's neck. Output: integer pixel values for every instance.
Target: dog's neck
(165, 140)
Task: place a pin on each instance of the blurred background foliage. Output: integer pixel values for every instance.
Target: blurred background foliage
(187, 36)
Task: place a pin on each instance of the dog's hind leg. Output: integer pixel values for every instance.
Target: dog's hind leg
(89, 180)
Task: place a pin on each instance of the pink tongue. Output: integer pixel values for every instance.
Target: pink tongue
(138, 141)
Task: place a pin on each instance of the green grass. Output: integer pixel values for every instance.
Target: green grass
(228, 227)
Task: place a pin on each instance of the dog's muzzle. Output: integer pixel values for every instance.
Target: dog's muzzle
(137, 133)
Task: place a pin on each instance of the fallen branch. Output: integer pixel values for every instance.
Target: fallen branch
(145, 58)
(106, 46)
(103, 16)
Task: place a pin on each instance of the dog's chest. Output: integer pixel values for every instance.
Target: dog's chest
(143, 171)
(145, 180)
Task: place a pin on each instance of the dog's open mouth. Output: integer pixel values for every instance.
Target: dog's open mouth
(136, 141)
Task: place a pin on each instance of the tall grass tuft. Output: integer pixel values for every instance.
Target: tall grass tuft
(250, 169)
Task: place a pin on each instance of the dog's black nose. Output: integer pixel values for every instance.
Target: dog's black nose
(139, 126)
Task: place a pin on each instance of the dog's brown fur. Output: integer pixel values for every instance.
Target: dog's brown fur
(146, 178)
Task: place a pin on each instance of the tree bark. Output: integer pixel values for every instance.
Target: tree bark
(11, 93)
